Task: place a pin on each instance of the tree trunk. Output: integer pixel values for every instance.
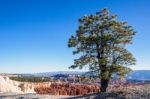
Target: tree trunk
(104, 85)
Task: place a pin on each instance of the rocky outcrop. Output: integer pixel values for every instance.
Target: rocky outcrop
(41, 85)
(67, 89)
(7, 85)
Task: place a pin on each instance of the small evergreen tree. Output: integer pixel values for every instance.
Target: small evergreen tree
(101, 40)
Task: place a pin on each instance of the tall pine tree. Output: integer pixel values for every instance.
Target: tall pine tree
(100, 41)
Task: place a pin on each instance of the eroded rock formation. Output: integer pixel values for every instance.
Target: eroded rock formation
(67, 89)
(7, 85)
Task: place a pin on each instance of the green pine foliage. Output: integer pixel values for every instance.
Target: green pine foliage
(101, 42)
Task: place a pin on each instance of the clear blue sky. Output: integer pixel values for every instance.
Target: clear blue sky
(34, 33)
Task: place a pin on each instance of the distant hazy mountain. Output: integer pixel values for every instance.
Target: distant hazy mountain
(48, 74)
(135, 75)
(139, 75)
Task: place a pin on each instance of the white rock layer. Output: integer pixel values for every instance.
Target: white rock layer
(7, 85)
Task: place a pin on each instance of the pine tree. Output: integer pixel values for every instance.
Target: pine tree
(101, 42)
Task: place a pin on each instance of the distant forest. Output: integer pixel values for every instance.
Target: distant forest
(30, 79)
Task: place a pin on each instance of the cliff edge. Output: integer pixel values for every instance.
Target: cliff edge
(7, 85)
